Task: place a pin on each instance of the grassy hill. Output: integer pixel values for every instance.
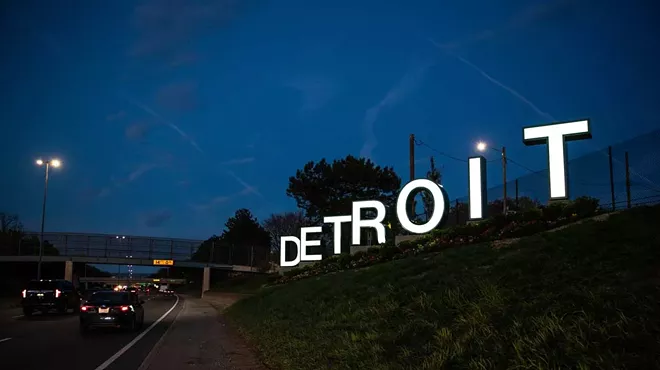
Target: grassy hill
(585, 297)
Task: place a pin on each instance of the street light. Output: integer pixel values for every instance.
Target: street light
(482, 147)
(46, 164)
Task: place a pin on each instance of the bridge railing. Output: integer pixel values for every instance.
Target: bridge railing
(99, 245)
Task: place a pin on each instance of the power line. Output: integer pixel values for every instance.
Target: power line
(421, 143)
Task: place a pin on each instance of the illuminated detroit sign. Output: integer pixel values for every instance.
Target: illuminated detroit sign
(555, 135)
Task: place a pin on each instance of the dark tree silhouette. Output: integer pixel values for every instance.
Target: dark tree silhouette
(244, 242)
(329, 189)
(284, 224)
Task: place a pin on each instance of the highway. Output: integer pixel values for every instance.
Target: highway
(54, 341)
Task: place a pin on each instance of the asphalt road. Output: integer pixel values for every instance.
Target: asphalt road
(54, 341)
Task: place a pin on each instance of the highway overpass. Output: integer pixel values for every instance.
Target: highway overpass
(122, 250)
(126, 280)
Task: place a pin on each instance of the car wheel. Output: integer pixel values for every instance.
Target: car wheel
(132, 326)
(27, 312)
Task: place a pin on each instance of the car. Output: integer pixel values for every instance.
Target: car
(133, 290)
(45, 295)
(113, 309)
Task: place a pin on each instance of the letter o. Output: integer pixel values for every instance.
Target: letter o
(439, 205)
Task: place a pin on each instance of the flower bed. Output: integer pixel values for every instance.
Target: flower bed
(525, 223)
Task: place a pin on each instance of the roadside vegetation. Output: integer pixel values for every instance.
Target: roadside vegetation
(244, 284)
(584, 297)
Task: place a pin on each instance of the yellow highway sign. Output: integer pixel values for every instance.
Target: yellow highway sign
(163, 262)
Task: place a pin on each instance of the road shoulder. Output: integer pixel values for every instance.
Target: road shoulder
(198, 339)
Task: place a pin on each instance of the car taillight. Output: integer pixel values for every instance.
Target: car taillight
(24, 293)
(125, 308)
(84, 308)
(57, 293)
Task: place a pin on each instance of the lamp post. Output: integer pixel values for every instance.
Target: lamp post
(482, 146)
(46, 164)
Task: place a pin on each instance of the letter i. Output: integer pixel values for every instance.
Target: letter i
(477, 187)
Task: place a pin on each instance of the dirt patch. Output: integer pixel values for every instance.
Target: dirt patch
(242, 355)
(221, 301)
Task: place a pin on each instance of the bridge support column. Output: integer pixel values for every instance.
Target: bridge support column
(68, 271)
(206, 280)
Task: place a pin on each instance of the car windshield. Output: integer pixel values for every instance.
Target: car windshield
(109, 297)
(42, 285)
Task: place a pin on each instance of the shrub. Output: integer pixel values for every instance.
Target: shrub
(373, 250)
(530, 214)
(554, 210)
(586, 206)
(387, 252)
(344, 260)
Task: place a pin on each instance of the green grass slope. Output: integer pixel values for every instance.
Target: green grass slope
(586, 297)
(246, 284)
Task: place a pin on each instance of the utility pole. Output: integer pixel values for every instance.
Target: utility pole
(504, 179)
(628, 202)
(412, 171)
(609, 152)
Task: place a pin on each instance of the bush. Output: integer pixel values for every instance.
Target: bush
(387, 252)
(530, 214)
(586, 206)
(554, 210)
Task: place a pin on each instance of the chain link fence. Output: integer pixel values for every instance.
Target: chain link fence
(621, 176)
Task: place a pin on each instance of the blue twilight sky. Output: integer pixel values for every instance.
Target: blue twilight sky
(170, 115)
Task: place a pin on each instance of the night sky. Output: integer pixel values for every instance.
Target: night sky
(170, 115)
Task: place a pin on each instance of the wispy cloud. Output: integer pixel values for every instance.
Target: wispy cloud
(236, 161)
(214, 202)
(167, 28)
(408, 83)
(510, 90)
(169, 124)
(137, 130)
(529, 15)
(180, 96)
(115, 116)
(131, 177)
(255, 140)
(157, 218)
(316, 92)
(220, 200)
(247, 188)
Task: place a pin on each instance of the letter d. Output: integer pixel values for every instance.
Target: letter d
(283, 261)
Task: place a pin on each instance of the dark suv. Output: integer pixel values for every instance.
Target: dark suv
(45, 295)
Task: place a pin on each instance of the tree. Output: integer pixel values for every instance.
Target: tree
(10, 223)
(427, 200)
(329, 189)
(13, 240)
(284, 224)
(11, 233)
(243, 242)
(249, 241)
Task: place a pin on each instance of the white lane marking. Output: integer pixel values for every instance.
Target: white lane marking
(17, 317)
(147, 360)
(4, 340)
(114, 357)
